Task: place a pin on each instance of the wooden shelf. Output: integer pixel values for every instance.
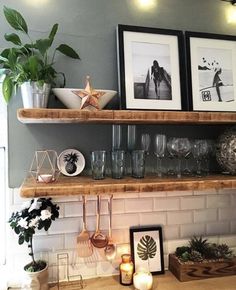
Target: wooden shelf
(53, 116)
(85, 185)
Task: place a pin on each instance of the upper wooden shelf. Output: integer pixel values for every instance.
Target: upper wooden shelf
(53, 116)
(85, 185)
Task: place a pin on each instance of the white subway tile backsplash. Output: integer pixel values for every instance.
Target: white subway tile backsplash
(49, 243)
(195, 202)
(227, 214)
(139, 205)
(187, 231)
(125, 221)
(179, 193)
(205, 215)
(158, 218)
(179, 217)
(227, 191)
(218, 201)
(218, 228)
(65, 225)
(205, 192)
(171, 232)
(152, 194)
(165, 204)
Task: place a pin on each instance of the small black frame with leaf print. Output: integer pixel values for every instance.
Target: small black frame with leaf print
(147, 248)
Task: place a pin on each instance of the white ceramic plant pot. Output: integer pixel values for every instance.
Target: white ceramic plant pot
(35, 95)
(36, 280)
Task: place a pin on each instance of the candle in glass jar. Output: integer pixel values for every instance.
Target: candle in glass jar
(126, 270)
(143, 280)
(45, 178)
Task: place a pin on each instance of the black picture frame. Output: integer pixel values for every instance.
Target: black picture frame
(211, 71)
(138, 47)
(139, 238)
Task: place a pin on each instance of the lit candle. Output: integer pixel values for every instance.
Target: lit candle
(142, 280)
(45, 178)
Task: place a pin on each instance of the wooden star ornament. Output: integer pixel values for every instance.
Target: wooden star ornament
(89, 96)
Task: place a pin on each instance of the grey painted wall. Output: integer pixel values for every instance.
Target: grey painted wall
(89, 26)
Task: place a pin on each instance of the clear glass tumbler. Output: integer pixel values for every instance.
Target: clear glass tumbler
(98, 164)
(118, 163)
(138, 163)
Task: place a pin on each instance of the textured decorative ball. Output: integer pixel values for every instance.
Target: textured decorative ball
(226, 151)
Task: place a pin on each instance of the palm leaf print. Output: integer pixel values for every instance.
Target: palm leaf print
(146, 248)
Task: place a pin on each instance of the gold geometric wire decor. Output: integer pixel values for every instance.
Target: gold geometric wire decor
(44, 166)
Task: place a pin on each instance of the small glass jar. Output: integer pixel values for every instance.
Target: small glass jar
(126, 270)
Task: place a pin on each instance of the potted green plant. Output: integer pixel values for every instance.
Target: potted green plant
(201, 259)
(30, 65)
(35, 214)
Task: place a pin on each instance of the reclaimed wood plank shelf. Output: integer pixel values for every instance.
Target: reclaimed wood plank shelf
(54, 116)
(85, 185)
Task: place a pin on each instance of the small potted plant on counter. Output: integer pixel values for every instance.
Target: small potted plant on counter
(29, 65)
(201, 259)
(35, 214)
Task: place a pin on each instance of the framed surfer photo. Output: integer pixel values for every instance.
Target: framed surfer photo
(147, 248)
(151, 68)
(211, 62)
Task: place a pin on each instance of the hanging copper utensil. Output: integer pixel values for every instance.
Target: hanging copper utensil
(110, 249)
(84, 246)
(98, 239)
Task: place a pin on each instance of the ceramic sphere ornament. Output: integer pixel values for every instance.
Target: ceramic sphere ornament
(226, 151)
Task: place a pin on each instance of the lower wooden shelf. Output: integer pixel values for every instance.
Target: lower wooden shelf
(85, 185)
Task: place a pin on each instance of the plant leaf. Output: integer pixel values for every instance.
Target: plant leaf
(43, 45)
(53, 33)
(146, 248)
(12, 37)
(15, 19)
(33, 66)
(68, 51)
(21, 240)
(7, 88)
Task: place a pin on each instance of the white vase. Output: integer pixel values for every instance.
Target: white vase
(36, 280)
(35, 95)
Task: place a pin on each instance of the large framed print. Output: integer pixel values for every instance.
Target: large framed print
(147, 248)
(151, 68)
(211, 62)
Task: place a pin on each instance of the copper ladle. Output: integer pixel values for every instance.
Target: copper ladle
(110, 249)
(98, 239)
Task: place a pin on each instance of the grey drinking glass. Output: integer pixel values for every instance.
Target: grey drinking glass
(138, 163)
(98, 164)
(131, 137)
(116, 137)
(199, 150)
(159, 151)
(118, 163)
(145, 142)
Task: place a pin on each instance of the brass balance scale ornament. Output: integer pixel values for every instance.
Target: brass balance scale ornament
(89, 96)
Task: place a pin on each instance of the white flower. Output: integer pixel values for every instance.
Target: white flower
(45, 214)
(23, 223)
(26, 205)
(35, 205)
(34, 222)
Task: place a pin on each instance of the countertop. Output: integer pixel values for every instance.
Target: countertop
(161, 282)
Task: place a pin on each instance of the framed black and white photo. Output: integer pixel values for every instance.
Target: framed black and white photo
(147, 248)
(150, 63)
(211, 71)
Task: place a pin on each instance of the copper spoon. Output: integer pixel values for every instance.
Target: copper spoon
(98, 239)
(110, 249)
